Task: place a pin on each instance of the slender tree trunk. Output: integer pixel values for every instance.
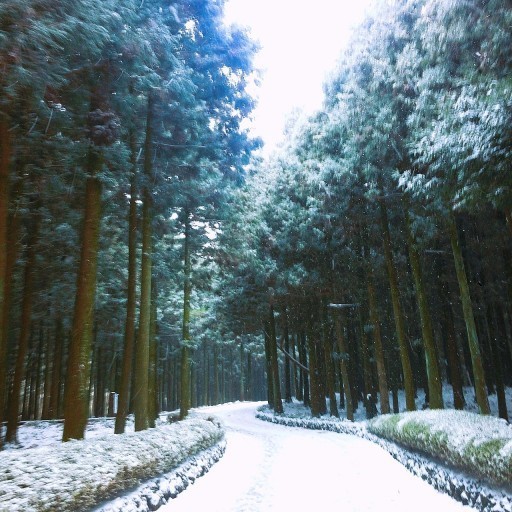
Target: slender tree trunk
(55, 392)
(278, 403)
(497, 362)
(344, 362)
(367, 366)
(287, 368)
(297, 372)
(452, 351)
(435, 385)
(329, 363)
(5, 161)
(141, 382)
(403, 343)
(25, 325)
(379, 351)
(99, 386)
(242, 376)
(25, 412)
(47, 377)
(76, 399)
(467, 308)
(317, 398)
(185, 401)
(39, 371)
(153, 361)
(303, 359)
(250, 378)
(129, 329)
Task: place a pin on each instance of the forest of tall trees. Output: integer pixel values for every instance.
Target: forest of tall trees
(151, 260)
(377, 241)
(121, 145)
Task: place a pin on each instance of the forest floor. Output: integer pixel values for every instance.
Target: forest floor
(33, 434)
(263, 462)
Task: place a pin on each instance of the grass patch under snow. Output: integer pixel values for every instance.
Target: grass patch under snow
(76, 475)
(481, 445)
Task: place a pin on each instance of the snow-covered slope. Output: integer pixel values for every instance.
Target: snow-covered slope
(79, 474)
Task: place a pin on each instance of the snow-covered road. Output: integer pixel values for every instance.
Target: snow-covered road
(271, 467)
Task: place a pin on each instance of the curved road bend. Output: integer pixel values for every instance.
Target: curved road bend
(269, 467)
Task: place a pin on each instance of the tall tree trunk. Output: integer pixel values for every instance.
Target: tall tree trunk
(379, 351)
(329, 362)
(5, 161)
(185, 401)
(141, 381)
(344, 362)
(401, 334)
(25, 325)
(76, 397)
(435, 385)
(278, 403)
(55, 392)
(297, 371)
(303, 359)
(39, 371)
(369, 398)
(287, 368)
(242, 376)
(452, 351)
(250, 378)
(47, 377)
(99, 382)
(467, 308)
(317, 398)
(497, 361)
(129, 328)
(153, 360)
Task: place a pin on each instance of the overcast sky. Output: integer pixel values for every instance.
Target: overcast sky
(300, 44)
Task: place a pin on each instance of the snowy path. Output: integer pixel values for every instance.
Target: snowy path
(270, 467)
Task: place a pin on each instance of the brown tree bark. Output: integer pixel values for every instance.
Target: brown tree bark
(186, 392)
(379, 350)
(287, 366)
(153, 361)
(56, 385)
(317, 397)
(344, 362)
(25, 325)
(141, 377)
(76, 396)
(5, 162)
(401, 334)
(467, 308)
(278, 403)
(435, 384)
(129, 327)
(328, 361)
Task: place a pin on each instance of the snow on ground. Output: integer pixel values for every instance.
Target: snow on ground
(35, 434)
(270, 467)
(297, 409)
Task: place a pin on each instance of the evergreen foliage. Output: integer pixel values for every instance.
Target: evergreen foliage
(370, 253)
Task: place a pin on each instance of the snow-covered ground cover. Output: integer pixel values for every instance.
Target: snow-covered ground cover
(479, 459)
(78, 475)
(479, 445)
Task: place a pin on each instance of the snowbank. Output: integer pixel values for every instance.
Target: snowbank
(154, 493)
(78, 475)
(466, 489)
(479, 445)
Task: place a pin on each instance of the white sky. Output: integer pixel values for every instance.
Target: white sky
(301, 42)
